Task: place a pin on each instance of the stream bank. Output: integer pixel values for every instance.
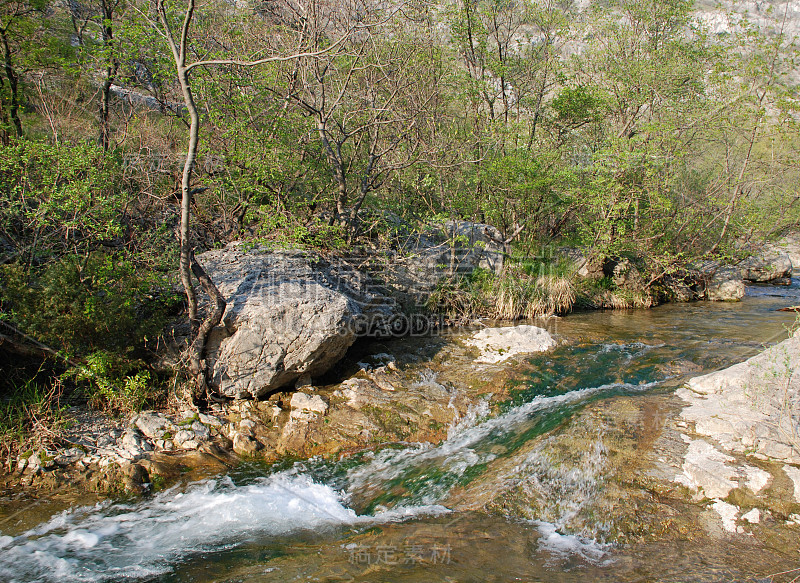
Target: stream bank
(568, 472)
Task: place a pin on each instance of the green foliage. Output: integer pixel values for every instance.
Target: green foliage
(56, 199)
(114, 383)
(284, 231)
(81, 303)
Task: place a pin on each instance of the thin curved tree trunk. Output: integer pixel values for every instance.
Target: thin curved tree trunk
(188, 263)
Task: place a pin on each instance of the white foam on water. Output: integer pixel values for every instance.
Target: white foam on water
(564, 546)
(110, 542)
(630, 350)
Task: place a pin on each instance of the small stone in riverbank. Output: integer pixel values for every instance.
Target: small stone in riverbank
(753, 517)
(728, 513)
(152, 425)
(245, 444)
(69, 457)
(304, 405)
(499, 344)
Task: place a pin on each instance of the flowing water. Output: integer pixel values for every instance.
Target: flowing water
(538, 491)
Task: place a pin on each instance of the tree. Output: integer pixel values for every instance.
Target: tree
(20, 41)
(177, 33)
(372, 102)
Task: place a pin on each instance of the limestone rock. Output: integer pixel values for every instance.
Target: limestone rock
(152, 425)
(794, 476)
(753, 516)
(753, 406)
(135, 478)
(69, 456)
(767, 266)
(362, 392)
(705, 468)
(727, 513)
(290, 314)
(450, 248)
(790, 245)
(209, 420)
(625, 274)
(499, 344)
(183, 436)
(245, 444)
(725, 285)
(303, 405)
(582, 263)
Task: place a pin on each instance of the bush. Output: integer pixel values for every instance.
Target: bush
(78, 304)
(114, 383)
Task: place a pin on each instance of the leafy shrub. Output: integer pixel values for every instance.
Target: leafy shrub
(114, 383)
(77, 304)
(56, 199)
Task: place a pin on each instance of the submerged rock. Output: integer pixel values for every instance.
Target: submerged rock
(499, 344)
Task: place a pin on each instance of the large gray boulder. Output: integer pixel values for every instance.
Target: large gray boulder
(790, 245)
(443, 250)
(290, 315)
(581, 262)
(724, 284)
(768, 266)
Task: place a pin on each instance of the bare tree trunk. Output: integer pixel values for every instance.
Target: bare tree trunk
(339, 171)
(188, 264)
(112, 66)
(13, 84)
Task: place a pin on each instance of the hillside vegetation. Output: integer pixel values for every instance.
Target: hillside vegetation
(133, 133)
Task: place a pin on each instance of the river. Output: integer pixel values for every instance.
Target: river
(569, 480)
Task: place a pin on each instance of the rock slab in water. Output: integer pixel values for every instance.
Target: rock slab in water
(753, 406)
(290, 314)
(499, 344)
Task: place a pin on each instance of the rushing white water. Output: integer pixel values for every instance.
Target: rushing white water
(109, 542)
